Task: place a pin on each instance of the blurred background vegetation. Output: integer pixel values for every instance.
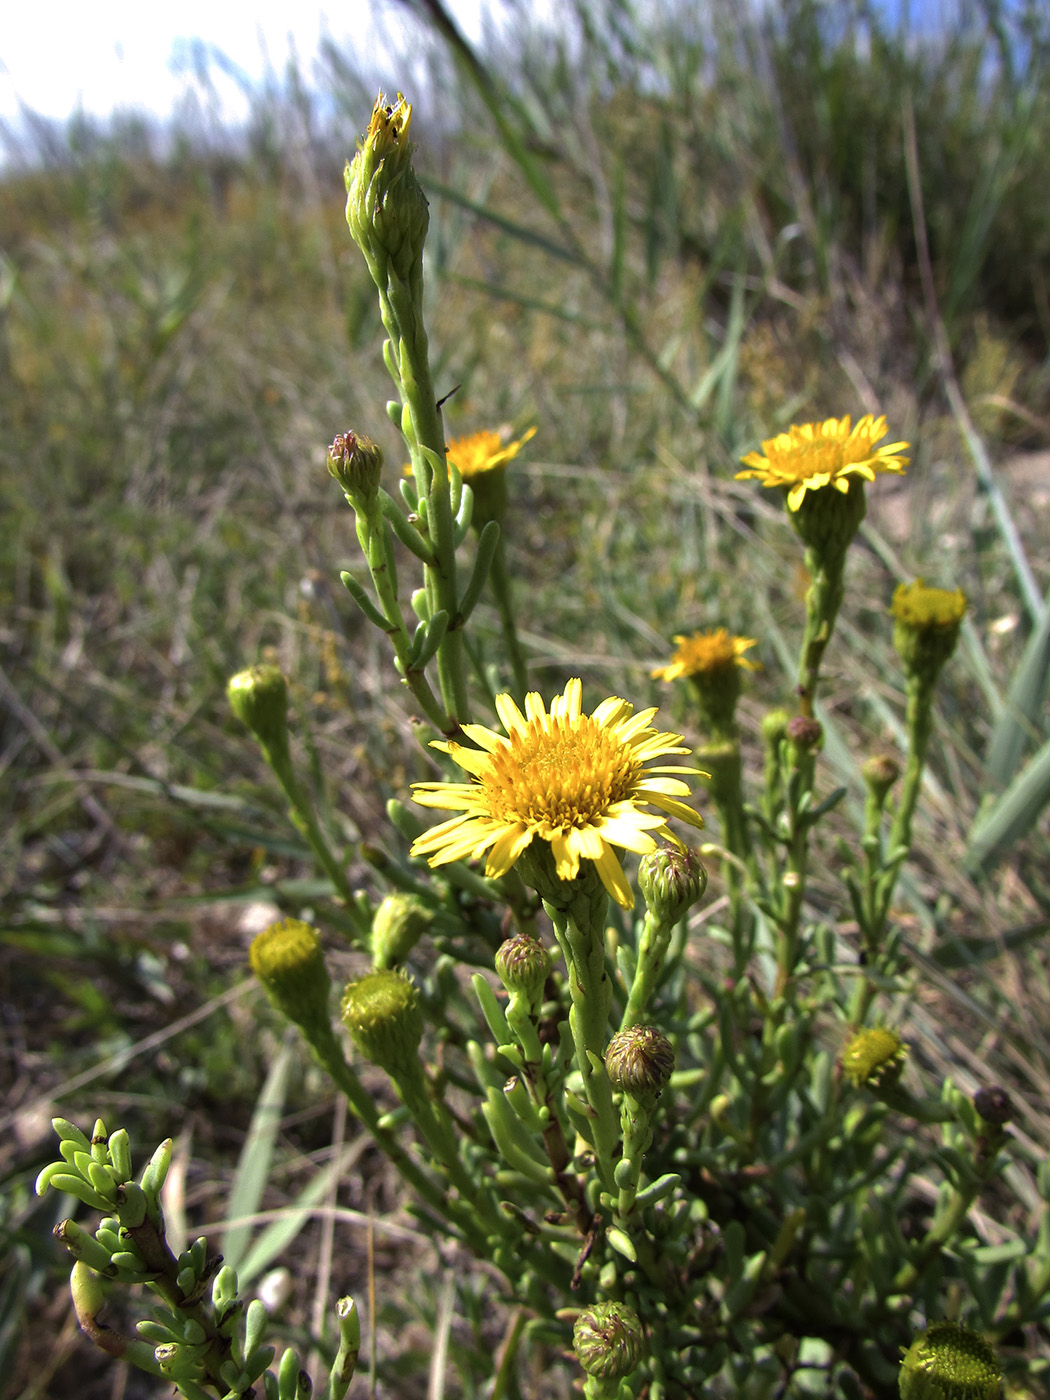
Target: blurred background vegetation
(661, 233)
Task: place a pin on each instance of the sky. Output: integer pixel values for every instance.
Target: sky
(99, 55)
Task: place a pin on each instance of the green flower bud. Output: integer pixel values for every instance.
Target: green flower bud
(874, 1058)
(397, 926)
(639, 1061)
(826, 521)
(382, 1013)
(288, 961)
(994, 1105)
(609, 1340)
(672, 880)
(926, 627)
(386, 209)
(357, 464)
(524, 964)
(259, 699)
(950, 1362)
(774, 727)
(805, 736)
(880, 772)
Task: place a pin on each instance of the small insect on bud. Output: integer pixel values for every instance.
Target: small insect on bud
(382, 1013)
(288, 961)
(994, 1105)
(357, 464)
(639, 1061)
(259, 699)
(609, 1340)
(874, 1058)
(524, 964)
(672, 880)
(950, 1362)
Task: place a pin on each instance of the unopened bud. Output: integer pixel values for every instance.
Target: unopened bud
(774, 727)
(609, 1340)
(357, 464)
(926, 626)
(288, 961)
(639, 1062)
(672, 880)
(382, 1013)
(874, 1058)
(397, 927)
(804, 735)
(386, 209)
(259, 699)
(880, 772)
(524, 964)
(950, 1362)
(994, 1105)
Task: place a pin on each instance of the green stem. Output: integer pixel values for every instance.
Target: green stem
(501, 592)
(823, 601)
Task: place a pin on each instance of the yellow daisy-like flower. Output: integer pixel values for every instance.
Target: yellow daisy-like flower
(483, 452)
(811, 456)
(705, 652)
(921, 607)
(576, 781)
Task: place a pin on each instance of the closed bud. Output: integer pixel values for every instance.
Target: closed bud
(288, 961)
(874, 1058)
(774, 727)
(259, 699)
(639, 1062)
(357, 464)
(386, 209)
(609, 1340)
(880, 772)
(524, 964)
(397, 926)
(994, 1105)
(926, 627)
(950, 1362)
(804, 735)
(672, 880)
(382, 1013)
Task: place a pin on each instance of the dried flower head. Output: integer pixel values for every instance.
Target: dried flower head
(576, 781)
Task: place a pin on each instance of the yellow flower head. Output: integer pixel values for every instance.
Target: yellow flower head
(926, 609)
(483, 452)
(706, 652)
(576, 781)
(814, 455)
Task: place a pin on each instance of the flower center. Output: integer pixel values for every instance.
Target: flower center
(566, 776)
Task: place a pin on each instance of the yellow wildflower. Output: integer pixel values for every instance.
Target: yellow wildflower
(814, 455)
(576, 781)
(483, 452)
(705, 652)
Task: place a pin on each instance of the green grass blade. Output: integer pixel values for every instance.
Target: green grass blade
(253, 1167)
(1024, 714)
(1014, 814)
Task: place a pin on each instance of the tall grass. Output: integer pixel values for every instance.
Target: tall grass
(659, 233)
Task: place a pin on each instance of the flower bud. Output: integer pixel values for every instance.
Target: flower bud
(609, 1340)
(357, 464)
(288, 961)
(639, 1062)
(926, 626)
(397, 926)
(382, 1013)
(259, 699)
(672, 880)
(950, 1362)
(994, 1105)
(804, 735)
(386, 209)
(524, 964)
(880, 772)
(874, 1058)
(774, 727)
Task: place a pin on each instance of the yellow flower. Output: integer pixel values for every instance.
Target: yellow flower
(813, 455)
(576, 781)
(705, 652)
(483, 452)
(925, 608)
